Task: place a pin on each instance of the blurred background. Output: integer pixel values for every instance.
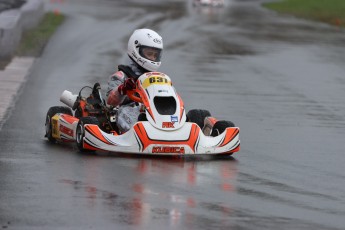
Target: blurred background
(278, 77)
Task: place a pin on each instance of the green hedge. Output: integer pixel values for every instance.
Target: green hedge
(329, 11)
(33, 41)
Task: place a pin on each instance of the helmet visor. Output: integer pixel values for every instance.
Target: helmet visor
(151, 53)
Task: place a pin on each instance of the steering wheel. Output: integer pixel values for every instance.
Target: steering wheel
(134, 95)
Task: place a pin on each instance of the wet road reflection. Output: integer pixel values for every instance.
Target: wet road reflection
(143, 197)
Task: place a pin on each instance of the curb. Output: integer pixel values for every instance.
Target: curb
(13, 22)
(12, 79)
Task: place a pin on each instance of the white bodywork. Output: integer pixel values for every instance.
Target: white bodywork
(164, 107)
(144, 138)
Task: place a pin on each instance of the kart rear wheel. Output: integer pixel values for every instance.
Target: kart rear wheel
(80, 133)
(220, 126)
(198, 116)
(51, 113)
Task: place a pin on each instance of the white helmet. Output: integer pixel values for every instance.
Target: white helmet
(145, 48)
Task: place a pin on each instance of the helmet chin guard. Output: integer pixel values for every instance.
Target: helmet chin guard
(145, 39)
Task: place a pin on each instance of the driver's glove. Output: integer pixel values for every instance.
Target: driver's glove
(129, 84)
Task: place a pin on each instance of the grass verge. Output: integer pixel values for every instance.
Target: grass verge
(328, 11)
(33, 41)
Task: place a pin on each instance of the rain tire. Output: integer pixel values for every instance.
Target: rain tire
(198, 116)
(80, 132)
(51, 113)
(220, 126)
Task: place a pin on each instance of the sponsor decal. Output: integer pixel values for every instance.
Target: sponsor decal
(141, 60)
(168, 149)
(65, 130)
(158, 41)
(168, 125)
(155, 80)
(54, 127)
(174, 119)
(155, 73)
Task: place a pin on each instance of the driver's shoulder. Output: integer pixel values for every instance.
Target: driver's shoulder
(118, 76)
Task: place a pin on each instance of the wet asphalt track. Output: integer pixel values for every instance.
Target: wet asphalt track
(281, 80)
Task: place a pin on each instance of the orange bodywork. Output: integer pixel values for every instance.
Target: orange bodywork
(146, 141)
(68, 118)
(142, 98)
(229, 137)
(94, 130)
(82, 105)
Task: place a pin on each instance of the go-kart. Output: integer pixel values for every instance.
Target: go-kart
(163, 126)
(213, 3)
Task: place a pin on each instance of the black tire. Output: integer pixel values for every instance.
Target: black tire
(198, 116)
(51, 113)
(80, 133)
(220, 127)
(142, 117)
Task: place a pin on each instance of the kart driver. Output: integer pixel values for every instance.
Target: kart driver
(144, 51)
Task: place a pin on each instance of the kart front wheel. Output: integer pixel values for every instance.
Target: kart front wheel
(80, 132)
(220, 126)
(198, 116)
(51, 113)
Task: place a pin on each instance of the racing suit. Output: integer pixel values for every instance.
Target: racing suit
(128, 111)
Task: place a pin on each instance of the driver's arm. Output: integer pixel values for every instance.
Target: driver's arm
(114, 98)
